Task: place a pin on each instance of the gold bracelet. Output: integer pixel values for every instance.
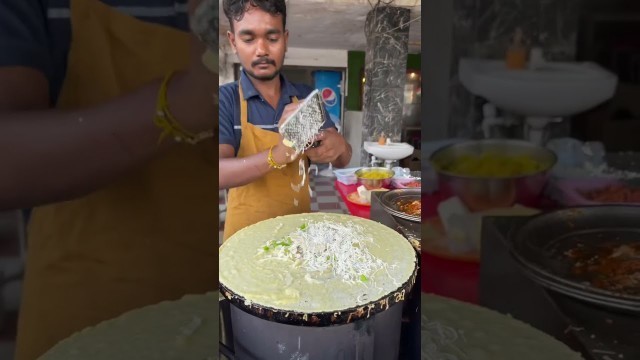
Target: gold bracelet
(272, 163)
(167, 122)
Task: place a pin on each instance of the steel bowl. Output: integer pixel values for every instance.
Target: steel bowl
(371, 184)
(485, 193)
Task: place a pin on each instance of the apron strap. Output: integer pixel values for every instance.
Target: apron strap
(243, 106)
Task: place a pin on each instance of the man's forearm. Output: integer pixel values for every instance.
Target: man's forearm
(56, 155)
(235, 172)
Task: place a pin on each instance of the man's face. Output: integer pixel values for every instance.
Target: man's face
(260, 42)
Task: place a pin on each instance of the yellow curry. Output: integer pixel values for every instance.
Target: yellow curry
(492, 165)
(376, 175)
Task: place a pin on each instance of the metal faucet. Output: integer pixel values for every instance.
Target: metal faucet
(536, 59)
(491, 120)
(374, 161)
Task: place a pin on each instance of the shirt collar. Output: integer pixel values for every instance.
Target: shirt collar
(288, 90)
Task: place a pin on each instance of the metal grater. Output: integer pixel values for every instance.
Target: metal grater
(204, 24)
(300, 129)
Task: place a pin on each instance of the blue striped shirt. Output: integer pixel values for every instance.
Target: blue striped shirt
(37, 33)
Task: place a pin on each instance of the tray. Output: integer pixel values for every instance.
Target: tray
(570, 193)
(435, 242)
(539, 248)
(390, 199)
(354, 198)
(596, 331)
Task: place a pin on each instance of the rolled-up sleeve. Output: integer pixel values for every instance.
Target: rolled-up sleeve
(24, 40)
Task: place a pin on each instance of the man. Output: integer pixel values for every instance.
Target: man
(121, 220)
(266, 178)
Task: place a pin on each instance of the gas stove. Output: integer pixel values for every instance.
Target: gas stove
(597, 333)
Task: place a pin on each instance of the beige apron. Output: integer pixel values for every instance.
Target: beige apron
(149, 237)
(272, 195)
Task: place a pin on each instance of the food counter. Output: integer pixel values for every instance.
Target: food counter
(447, 276)
(460, 279)
(496, 281)
(348, 189)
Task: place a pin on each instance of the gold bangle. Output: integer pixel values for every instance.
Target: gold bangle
(272, 163)
(167, 122)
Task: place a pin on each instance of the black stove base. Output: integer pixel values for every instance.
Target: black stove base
(409, 344)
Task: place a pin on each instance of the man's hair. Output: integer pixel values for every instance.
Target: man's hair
(235, 9)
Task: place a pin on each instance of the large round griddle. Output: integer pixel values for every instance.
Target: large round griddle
(318, 319)
(457, 330)
(332, 317)
(539, 247)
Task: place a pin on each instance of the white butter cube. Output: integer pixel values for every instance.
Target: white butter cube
(364, 193)
(452, 206)
(456, 219)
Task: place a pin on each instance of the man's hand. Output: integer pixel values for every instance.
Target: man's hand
(332, 147)
(198, 85)
(283, 154)
(90, 147)
(236, 172)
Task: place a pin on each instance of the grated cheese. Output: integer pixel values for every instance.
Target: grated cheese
(301, 172)
(327, 247)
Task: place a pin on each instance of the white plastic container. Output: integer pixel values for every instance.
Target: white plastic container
(347, 176)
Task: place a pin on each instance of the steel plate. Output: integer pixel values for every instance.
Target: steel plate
(539, 246)
(609, 302)
(391, 198)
